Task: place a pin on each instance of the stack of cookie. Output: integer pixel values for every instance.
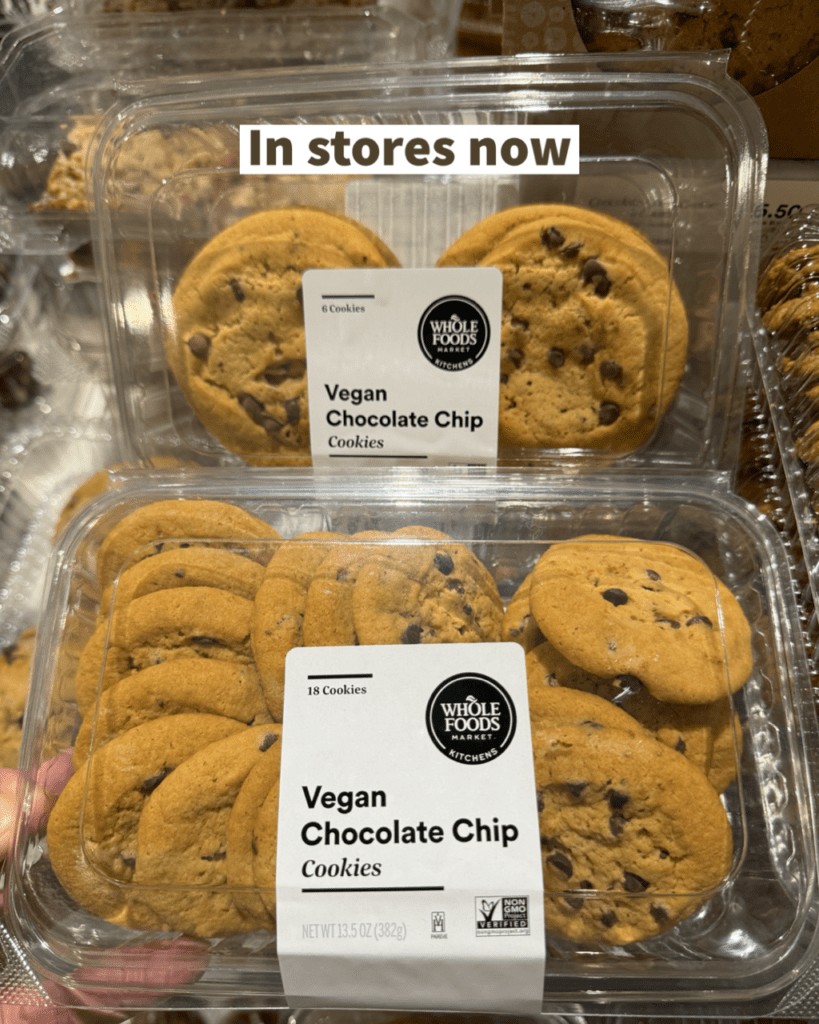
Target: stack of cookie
(634, 648)
(170, 820)
(788, 298)
(237, 346)
(594, 333)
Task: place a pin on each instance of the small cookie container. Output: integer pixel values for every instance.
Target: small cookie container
(744, 935)
(671, 399)
(58, 75)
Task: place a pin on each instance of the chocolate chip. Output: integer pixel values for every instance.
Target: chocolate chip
(271, 425)
(252, 406)
(663, 854)
(455, 585)
(611, 370)
(236, 288)
(268, 740)
(608, 413)
(634, 883)
(560, 862)
(180, 574)
(149, 785)
(557, 357)
(468, 609)
(218, 855)
(608, 919)
(572, 250)
(199, 344)
(443, 563)
(158, 546)
(8, 653)
(700, 620)
(660, 914)
(292, 409)
(617, 822)
(576, 788)
(616, 799)
(290, 369)
(594, 273)
(552, 237)
(576, 902)
(412, 634)
(679, 746)
(615, 596)
(668, 622)
(519, 323)
(586, 353)
(652, 575)
(205, 641)
(514, 355)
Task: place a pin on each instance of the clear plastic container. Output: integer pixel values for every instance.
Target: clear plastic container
(59, 74)
(752, 932)
(676, 156)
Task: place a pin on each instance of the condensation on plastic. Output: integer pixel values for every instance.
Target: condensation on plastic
(719, 959)
(696, 211)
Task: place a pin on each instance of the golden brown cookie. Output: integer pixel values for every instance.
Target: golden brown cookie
(156, 526)
(200, 565)
(182, 838)
(425, 589)
(594, 334)
(620, 607)
(237, 345)
(92, 827)
(622, 818)
(172, 688)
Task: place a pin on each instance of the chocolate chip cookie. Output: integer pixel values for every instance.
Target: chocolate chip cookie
(425, 589)
(620, 607)
(159, 525)
(236, 347)
(180, 871)
(172, 688)
(93, 825)
(634, 837)
(594, 333)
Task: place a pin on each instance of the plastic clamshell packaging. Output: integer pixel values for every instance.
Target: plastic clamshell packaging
(58, 75)
(785, 348)
(742, 939)
(692, 198)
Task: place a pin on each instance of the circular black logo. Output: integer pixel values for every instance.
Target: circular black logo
(471, 718)
(453, 333)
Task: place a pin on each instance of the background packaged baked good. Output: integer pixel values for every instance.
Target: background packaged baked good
(773, 47)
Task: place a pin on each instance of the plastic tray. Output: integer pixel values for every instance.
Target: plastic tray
(738, 955)
(696, 211)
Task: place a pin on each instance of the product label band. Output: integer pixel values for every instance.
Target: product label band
(409, 149)
(408, 861)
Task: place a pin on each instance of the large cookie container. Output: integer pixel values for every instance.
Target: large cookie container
(740, 934)
(669, 169)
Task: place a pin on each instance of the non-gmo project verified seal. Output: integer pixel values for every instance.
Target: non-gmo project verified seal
(502, 915)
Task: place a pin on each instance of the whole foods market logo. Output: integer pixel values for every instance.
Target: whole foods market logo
(471, 718)
(453, 333)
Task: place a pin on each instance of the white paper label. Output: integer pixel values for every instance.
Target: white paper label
(403, 364)
(408, 867)
(409, 149)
